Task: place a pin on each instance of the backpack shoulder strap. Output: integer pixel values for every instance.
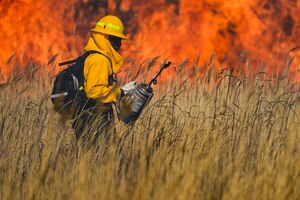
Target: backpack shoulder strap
(83, 57)
(112, 77)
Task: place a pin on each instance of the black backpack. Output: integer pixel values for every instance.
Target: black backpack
(68, 94)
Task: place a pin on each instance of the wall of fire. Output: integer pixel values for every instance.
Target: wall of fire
(35, 30)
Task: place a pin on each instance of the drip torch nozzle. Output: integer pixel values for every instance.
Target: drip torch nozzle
(154, 81)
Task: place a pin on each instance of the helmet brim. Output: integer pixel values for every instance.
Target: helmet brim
(104, 31)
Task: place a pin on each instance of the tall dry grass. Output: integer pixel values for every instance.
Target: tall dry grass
(221, 136)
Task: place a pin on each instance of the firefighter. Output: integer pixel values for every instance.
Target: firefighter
(100, 83)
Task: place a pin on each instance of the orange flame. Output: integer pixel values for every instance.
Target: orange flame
(35, 30)
(265, 29)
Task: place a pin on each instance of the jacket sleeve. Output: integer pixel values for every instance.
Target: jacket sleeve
(96, 71)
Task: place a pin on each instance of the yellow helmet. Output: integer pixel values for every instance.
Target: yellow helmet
(110, 25)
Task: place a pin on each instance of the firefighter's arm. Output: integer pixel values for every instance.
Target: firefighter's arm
(96, 72)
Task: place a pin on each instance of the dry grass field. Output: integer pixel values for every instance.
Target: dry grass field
(221, 136)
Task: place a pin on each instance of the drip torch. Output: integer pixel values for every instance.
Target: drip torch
(132, 104)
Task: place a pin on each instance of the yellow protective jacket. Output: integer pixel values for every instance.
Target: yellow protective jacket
(97, 69)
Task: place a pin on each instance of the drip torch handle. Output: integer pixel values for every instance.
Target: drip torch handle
(154, 81)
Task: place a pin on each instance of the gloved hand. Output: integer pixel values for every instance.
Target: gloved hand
(128, 87)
